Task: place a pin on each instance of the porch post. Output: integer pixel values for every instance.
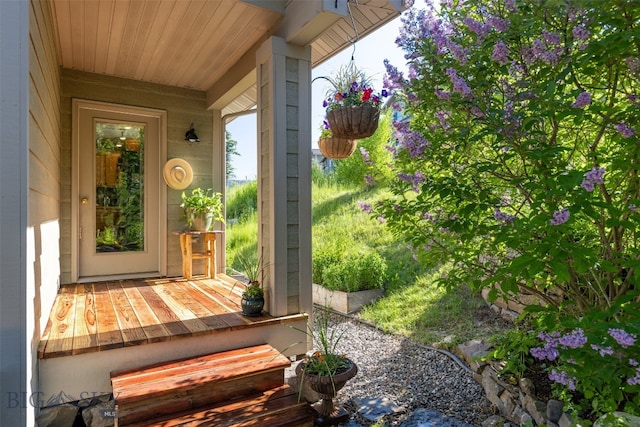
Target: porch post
(18, 370)
(284, 174)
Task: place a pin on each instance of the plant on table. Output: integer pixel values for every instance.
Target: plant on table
(202, 202)
(519, 161)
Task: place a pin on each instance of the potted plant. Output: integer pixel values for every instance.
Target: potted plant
(352, 107)
(252, 301)
(326, 371)
(335, 147)
(202, 208)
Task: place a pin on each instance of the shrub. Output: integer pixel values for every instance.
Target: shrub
(356, 272)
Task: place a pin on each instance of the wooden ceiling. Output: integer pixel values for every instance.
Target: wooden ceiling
(187, 43)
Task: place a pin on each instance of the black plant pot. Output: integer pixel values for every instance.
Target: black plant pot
(252, 306)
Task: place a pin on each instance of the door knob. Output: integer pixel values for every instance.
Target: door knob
(84, 201)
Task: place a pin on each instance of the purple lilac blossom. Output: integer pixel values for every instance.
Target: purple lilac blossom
(500, 53)
(381, 220)
(366, 207)
(393, 79)
(633, 208)
(563, 378)
(541, 51)
(443, 94)
(415, 180)
(625, 130)
(622, 337)
(582, 100)
(580, 32)
(551, 38)
(560, 217)
(636, 379)
(459, 84)
(477, 112)
(633, 98)
(366, 157)
(503, 217)
(499, 24)
(604, 351)
(575, 339)
(510, 5)
(369, 179)
(442, 117)
(591, 178)
(413, 141)
(459, 53)
(549, 351)
(481, 29)
(633, 362)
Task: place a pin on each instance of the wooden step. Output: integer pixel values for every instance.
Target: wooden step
(180, 385)
(279, 407)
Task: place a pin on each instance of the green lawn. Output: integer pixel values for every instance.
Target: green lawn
(413, 306)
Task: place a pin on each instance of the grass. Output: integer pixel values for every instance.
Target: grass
(414, 305)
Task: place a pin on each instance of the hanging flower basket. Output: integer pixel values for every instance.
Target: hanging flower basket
(334, 147)
(354, 121)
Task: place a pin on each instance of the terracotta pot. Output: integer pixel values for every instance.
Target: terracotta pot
(354, 122)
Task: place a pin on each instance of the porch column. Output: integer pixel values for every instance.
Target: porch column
(284, 174)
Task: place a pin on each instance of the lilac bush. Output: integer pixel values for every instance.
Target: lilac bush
(518, 165)
(522, 136)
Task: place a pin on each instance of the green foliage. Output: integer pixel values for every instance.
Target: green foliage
(513, 347)
(231, 149)
(355, 272)
(369, 164)
(202, 202)
(242, 200)
(521, 161)
(594, 359)
(325, 359)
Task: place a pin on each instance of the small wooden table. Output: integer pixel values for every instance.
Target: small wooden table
(208, 254)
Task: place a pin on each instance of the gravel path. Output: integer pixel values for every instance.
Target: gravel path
(410, 375)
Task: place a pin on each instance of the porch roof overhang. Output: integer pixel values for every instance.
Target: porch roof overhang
(202, 44)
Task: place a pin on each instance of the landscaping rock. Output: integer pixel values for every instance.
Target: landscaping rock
(374, 409)
(426, 418)
(554, 410)
(100, 415)
(611, 419)
(57, 416)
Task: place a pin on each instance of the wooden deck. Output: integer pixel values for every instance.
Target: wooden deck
(108, 315)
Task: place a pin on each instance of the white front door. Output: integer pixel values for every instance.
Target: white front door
(118, 191)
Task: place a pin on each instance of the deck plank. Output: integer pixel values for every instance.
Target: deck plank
(163, 312)
(200, 305)
(176, 299)
(228, 313)
(85, 333)
(108, 333)
(60, 340)
(132, 332)
(153, 328)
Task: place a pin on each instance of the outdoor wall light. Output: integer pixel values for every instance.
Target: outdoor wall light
(191, 136)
